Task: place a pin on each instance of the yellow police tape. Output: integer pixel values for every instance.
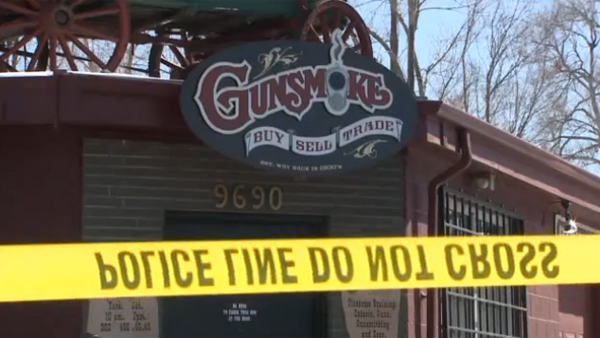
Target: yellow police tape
(77, 271)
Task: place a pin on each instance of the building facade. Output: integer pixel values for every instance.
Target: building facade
(98, 158)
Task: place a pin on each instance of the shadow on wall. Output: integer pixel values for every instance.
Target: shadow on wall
(576, 315)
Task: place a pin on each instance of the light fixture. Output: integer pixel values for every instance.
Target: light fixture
(569, 227)
(484, 180)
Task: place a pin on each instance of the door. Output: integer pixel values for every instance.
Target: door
(293, 315)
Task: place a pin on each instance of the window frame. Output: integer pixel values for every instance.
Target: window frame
(516, 320)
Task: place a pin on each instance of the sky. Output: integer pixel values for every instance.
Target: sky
(434, 25)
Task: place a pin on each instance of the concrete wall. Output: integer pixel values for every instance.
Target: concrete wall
(128, 186)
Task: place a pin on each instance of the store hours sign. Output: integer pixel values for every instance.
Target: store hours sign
(123, 318)
(300, 107)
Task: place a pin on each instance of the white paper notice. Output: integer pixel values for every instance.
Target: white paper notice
(123, 318)
(239, 312)
(371, 314)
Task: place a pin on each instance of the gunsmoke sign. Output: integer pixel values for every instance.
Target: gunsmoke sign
(300, 107)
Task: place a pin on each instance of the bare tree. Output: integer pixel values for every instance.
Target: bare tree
(571, 39)
(471, 35)
(407, 13)
(449, 68)
(532, 74)
(503, 76)
(506, 51)
(394, 37)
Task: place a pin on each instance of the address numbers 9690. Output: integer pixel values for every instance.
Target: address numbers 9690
(241, 196)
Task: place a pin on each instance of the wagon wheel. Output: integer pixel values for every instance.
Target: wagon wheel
(12, 62)
(328, 15)
(172, 61)
(62, 29)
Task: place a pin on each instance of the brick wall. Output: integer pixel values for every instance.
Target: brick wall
(40, 196)
(128, 186)
(554, 311)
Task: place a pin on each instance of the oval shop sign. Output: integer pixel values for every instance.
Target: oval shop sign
(304, 108)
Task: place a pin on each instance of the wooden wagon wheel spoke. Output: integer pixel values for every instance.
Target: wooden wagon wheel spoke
(41, 45)
(97, 13)
(52, 47)
(67, 51)
(63, 26)
(17, 24)
(85, 50)
(179, 55)
(323, 20)
(11, 68)
(93, 33)
(328, 15)
(34, 3)
(337, 19)
(75, 3)
(17, 9)
(24, 40)
(5, 66)
(348, 31)
(353, 42)
(177, 66)
(170, 64)
(313, 35)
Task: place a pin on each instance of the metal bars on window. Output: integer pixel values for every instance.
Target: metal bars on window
(482, 312)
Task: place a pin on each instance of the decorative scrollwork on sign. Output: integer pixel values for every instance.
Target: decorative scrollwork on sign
(365, 149)
(276, 56)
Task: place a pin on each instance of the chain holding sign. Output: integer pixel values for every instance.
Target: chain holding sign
(142, 269)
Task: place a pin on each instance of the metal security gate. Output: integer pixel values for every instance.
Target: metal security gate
(290, 315)
(484, 311)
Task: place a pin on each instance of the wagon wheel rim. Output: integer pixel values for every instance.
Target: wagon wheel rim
(177, 64)
(330, 14)
(62, 29)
